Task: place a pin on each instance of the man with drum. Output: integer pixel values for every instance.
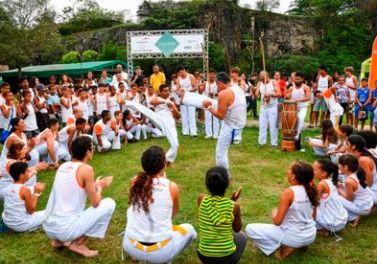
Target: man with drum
(299, 93)
(269, 91)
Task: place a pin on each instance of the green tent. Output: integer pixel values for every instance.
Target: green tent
(44, 71)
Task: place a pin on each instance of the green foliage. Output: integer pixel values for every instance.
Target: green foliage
(71, 57)
(216, 56)
(163, 15)
(88, 16)
(289, 63)
(89, 55)
(112, 51)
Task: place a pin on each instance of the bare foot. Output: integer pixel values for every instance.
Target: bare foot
(374, 209)
(59, 245)
(83, 250)
(355, 222)
(323, 232)
(284, 252)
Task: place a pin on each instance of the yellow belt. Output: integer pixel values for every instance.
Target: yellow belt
(158, 245)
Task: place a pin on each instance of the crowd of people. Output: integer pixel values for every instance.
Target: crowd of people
(56, 127)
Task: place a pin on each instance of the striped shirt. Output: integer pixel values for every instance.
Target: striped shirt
(216, 231)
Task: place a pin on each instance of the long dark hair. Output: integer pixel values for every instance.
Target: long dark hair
(330, 168)
(153, 162)
(328, 131)
(13, 123)
(360, 146)
(304, 174)
(352, 164)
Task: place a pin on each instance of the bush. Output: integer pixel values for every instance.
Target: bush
(71, 57)
(89, 55)
(289, 63)
(112, 51)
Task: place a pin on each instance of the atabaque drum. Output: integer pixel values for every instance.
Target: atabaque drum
(289, 119)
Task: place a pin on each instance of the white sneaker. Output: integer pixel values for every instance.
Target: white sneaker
(208, 137)
(302, 150)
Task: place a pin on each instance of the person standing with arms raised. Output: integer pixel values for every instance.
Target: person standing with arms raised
(232, 110)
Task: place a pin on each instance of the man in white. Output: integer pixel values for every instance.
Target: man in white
(69, 133)
(47, 146)
(269, 91)
(119, 69)
(232, 110)
(105, 133)
(67, 222)
(212, 124)
(300, 93)
(187, 82)
(168, 111)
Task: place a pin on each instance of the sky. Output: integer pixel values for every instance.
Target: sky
(132, 5)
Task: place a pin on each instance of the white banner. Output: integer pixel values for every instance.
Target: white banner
(191, 43)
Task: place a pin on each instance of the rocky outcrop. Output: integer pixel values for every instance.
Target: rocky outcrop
(229, 26)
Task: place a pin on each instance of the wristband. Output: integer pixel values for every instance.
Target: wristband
(99, 189)
(209, 107)
(37, 194)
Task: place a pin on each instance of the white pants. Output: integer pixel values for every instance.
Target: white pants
(321, 152)
(269, 238)
(170, 132)
(156, 133)
(353, 210)
(134, 132)
(188, 120)
(321, 223)
(60, 153)
(164, 254)
(92, 222)
(226, 138)
(64, 146)
(34, 158)
(28, 224)
(212, 125)
(109, 141)
(301, 114)
(268, 118)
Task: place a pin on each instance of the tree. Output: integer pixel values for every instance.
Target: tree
(112, 51)
(71, 57)
(89, 55)
(267, 5)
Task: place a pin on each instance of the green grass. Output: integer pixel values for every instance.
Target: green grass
(260, 170)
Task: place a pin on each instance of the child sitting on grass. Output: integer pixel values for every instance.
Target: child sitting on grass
(355, 195)
(293, 226)
(221, 239)
(331, 216)
(328, 141)
(344, 132)
(21, 201)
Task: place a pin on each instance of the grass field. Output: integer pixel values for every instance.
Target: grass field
(260, 170)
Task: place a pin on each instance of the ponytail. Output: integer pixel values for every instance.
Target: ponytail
(360, 173)
(330, 168)
(304, 174)
(141, 192)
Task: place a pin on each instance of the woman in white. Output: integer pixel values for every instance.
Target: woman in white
(29, 115)
(102, 102)
(9, 111)
(150, 235)
(269, 91)
(331, 216)
(355, 194)
(82, 104)
(293, 226)
(132, 126)
(18, 134)
(187, 82)
(67, 220)
(300, 93)
(113, 101)
(212, 124)
(17, 152)
(66, 103)
(21, 201)
(168, 112)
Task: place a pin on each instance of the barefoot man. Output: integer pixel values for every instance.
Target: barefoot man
(232, 110)
(67, 222)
